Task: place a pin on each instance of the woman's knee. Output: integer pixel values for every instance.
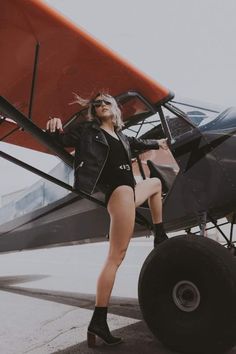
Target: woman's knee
(117, 257)
(156, 184)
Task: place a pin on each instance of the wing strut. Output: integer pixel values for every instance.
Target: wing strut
(33, 80)
(48, 177)
(10, 111)
(140, 219)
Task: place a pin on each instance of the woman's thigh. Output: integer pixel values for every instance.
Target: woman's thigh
(145, 189)
(121, 207)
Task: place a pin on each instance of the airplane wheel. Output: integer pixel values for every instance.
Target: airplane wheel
(187, 292)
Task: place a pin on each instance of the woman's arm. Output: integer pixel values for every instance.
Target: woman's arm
(137, 144)
(68, 137)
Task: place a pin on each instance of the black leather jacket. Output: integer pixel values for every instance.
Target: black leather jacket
(91, 151)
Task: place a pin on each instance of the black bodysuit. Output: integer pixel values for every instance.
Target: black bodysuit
(117, 170)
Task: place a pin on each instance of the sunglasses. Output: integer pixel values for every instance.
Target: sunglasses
(98, 103)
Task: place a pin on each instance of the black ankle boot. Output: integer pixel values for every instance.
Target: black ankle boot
(98, 327)
(159, 234)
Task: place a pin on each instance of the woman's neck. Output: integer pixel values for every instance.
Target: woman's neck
(108, 126)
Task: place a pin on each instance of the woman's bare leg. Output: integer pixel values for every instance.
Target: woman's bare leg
(150, 189)
(121, 208)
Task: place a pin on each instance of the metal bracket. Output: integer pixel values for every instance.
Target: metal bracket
(202, 216)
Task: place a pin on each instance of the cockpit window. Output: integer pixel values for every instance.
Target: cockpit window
(198, 113)
(177, 122)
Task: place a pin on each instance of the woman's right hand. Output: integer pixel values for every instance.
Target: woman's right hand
(54, 124)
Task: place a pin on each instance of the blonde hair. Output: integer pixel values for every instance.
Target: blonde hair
(88, 103)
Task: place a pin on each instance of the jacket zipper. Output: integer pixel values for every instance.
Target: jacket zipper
(80, 165)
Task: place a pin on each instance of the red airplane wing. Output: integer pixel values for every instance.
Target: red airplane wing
(68, 60)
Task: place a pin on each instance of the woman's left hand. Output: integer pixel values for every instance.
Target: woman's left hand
(163, 144)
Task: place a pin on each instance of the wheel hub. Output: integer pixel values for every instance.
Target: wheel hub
(186, 296)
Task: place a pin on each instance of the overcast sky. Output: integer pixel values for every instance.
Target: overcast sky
(187, 45)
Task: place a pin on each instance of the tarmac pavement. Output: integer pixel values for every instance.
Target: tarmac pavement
(47, 299)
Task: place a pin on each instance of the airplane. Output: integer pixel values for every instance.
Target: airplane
(187, 285)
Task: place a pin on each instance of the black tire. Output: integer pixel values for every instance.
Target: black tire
(187, 295)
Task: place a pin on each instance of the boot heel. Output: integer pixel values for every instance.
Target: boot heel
(91, 339)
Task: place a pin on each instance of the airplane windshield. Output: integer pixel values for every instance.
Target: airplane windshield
(198, 113)
(177, 122)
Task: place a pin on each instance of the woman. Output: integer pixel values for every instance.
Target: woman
(103, 159)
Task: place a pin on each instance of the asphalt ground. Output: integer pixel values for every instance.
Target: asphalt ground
(47, 299)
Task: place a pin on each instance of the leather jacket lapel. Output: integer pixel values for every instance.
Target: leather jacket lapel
(125, 143)
(99, 136)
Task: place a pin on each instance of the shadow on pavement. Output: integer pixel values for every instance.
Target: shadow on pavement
(127, 307)
(17, 279)
(137, 339)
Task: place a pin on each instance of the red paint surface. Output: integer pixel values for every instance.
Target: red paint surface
(70, 60)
